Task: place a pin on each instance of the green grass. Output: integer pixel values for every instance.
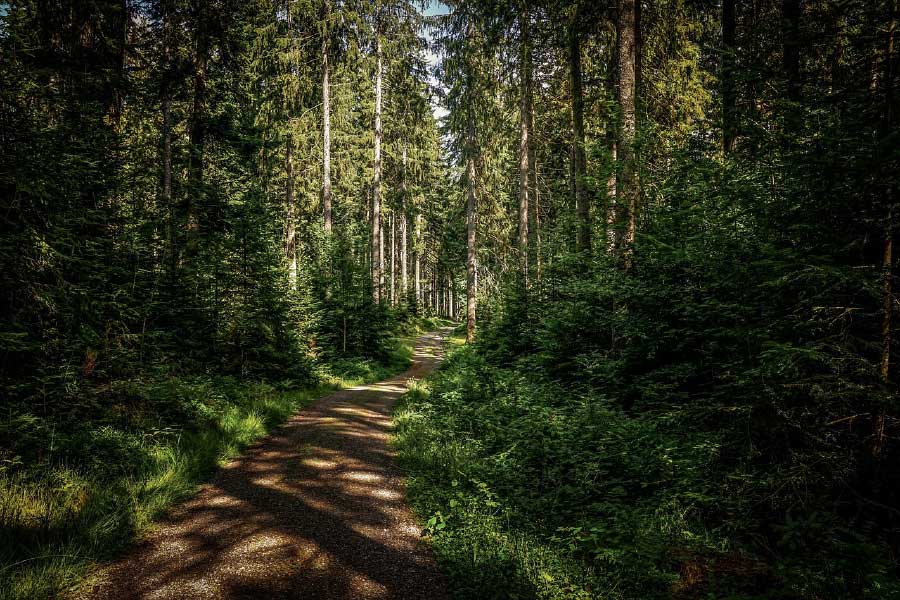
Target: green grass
(58, 521)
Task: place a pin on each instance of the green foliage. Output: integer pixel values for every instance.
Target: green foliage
(531, 490)
(88, 488)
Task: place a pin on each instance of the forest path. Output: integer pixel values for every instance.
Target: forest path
(316, 510)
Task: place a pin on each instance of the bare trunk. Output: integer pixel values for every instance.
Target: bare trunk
(471, 256)
(790, 15)
(887, 258)
(612, 241)
(166, 107)
(382, 260)
(524, 138)
(167, 176)
(449, 297)
(537, 222)
(729, 98)
(377, 241)
(197, 136)
(627, 186)
(326, 125)
(393, 261)
(404, 276)
(290, 227)
(417, 248)
(582, 202)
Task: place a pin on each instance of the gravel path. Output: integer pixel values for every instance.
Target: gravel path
(315, 511)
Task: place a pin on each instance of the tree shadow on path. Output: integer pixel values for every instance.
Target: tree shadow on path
(316, 510)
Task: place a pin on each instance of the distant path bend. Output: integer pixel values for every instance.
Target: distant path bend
(315, 511)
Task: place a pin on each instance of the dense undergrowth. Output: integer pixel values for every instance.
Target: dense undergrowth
(77, 491)
(532, 488)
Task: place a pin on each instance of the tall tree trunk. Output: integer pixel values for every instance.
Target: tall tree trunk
(290, 226)
(612, 238)
(377, 241)
(627, 186)
(404, 276)
(471, 255)
(326, 121)
(449, 296)
(417, 249)
(790, 15)
(887, 258)
(533, 192)
(166, 106)
(582, 202)
(197, 136)
(729, 96)
(612, 134)
(167, 178)
(537, 222)
(393, 260)
(524, 137)
(382, 258)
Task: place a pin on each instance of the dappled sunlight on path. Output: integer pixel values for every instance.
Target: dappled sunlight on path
(314, 511)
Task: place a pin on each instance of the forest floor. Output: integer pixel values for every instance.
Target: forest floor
(315, 510)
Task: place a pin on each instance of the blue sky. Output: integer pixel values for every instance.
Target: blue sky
(436, 7)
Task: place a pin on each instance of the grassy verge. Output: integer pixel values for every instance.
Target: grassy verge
(60, 518)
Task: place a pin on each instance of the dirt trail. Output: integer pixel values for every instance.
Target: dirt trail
(315, 511)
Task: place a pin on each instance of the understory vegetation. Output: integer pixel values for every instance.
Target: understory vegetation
(531, 488)
(79, 490)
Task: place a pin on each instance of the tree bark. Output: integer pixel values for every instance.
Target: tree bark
(404, 279)
(582, 202)
(377, 241)
(393, 260)
(524, 137)
(612, 134)
(537, 222)
(471, 250)
(197, 127)
(290, 226)
(887, 258)
(326, 122)
(612, 238)
(417, 249)
(627, 184)
(166, 107)
(729, 97)
(790, 15)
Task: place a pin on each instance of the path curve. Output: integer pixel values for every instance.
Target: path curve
(315, 511)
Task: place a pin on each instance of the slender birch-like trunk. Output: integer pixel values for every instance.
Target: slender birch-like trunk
(524, 137)
(326, 122)
(582, 202)
(377, 239)
(627, 184)
(404, 275)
